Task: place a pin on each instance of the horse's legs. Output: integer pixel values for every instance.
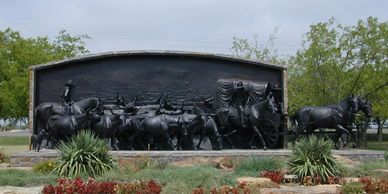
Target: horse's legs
(113, 143)
(336, 139)
(354, 138)
(215, 137)
(257, 131)
(167, 139)
(48, 140)
(252, 139)
(300, 128)
(344, 130)
(201, 137)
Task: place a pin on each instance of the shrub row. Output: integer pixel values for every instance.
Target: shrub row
(90, 186)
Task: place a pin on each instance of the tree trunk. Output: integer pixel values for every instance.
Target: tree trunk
(379, 129)
(362, 128)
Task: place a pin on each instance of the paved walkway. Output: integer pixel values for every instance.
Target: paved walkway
(20, 190)
(16, 133)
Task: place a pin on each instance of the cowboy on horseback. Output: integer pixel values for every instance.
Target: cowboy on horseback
(66, 99)
(240, 99)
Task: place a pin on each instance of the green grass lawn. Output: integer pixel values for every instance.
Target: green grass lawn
(11, 141)
(375, 145)
(24, 178)
(9, 145)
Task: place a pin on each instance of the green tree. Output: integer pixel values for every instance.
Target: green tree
(337, 61)
(255, 50)
(17, 54)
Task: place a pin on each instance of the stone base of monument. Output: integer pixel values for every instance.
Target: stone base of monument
(29, 158)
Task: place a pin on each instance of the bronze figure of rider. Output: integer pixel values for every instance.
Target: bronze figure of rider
(239, 99)
(67, 101)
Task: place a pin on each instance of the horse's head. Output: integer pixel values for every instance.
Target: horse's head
(366, 107)
(270, 105)
(350, 104)
(353, 104)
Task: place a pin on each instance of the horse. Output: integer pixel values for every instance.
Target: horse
(337, 116)
(254, 115)
(64, 127)
(45, 110)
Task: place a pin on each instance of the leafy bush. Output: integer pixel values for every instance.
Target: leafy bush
(79, 186)
(44, 167)
(275, 176)
(147, 187)
(311, 157)
(253, 166)
(352, 188)
(335, 180)
(84, 154)
(374, 185)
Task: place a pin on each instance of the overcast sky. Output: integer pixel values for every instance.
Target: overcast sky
(201, 25)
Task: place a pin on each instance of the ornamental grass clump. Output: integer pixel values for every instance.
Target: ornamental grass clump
(44, 167)
(311, 157)
(83, 155)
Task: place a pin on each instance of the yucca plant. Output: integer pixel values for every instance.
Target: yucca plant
(84, 154)
(312, 157)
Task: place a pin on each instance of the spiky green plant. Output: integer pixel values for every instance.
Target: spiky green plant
(312, 157)
(84, 154)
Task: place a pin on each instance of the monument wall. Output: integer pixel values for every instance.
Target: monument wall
(130, 72)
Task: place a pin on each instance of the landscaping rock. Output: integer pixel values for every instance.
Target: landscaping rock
(225, 163)
(296, 189)
(20, 190)
(290, 178)
(346, 161)
(9, 166)
(258, 182)
(351, 179)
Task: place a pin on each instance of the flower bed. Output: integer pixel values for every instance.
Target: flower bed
(77, 185)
